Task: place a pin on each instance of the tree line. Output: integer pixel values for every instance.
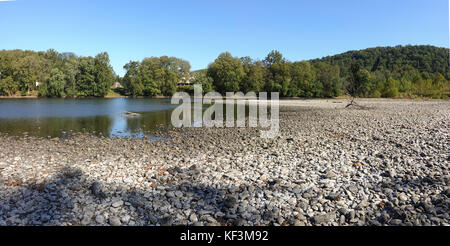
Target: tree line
(420, 70)
(402, 71)
(154, 76)
(53, 74)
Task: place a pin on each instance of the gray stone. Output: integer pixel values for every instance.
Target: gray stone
(100, 219)
(392, 173)
(403, 197)
(86, 220)
(125, 219)
(351, 215)
(447, 192)
(334, 197)
(342, 219)
(323, 218)
(239, 222)
(343, 211)
(396, 222)
(117, 204)
(114, 221)
(299, 223)
(193, 218)
(230, 202)
(330, 174)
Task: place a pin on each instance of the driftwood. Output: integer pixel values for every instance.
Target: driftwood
(356, 105)
(130, 114)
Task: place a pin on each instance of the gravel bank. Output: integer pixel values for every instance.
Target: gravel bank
(387, 165)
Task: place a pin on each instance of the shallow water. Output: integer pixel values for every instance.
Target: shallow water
(101, 117)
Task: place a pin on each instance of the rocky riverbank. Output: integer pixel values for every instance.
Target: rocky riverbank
(387, 164)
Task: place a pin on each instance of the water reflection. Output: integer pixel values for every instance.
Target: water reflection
(101, 117)
(147, 123)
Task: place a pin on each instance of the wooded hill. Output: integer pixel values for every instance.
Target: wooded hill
(401, 71)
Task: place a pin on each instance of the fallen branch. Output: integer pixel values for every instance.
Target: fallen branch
(354, 104)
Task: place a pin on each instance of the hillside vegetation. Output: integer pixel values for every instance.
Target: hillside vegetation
(53, 74)
(401, 71)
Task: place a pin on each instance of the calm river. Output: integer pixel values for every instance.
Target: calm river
(101, 117)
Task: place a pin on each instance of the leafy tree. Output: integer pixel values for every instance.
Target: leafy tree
(390, 88)
(104, 75)
(254, 75)
(227, 73)
(85, 77)
(278, 73)
(131, 81)
(201, 77)
(439, 81)
(358, 81)
(302, 79)
(27, 71)
(55, 84)
(155, 76)
(8, 87)
(328, 78)
(70, 70)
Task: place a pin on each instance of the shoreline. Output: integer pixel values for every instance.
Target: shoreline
(285, 99)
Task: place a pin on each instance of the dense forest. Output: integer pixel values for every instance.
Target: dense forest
(53, 74)
(393, 71)
(154, 76)
(402, 71)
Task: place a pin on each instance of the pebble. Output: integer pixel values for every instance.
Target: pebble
(403, 197)
(125, 219)
(117, 204)
(230, 202)
(114, 221)
(193, 218)
(323, 218)
(100, 219)
(299, 223)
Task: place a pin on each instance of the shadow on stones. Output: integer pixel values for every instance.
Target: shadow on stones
(72, 198)
(429, 211)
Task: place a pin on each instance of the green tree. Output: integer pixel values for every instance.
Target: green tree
(390, 88)
(201, 77)
(85, 77)
(439, 81)
(70, 70)
(150, 88)
(227, 73)
(278, 77)
(303, 78)
(131, 81)
(328, 78)
(8, 87)
(358, 81)
(104, 75)
(254, 75)
(55, 84)
(27, 71)
(95, 76)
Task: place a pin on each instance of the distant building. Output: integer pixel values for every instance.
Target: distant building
(117, 85)
(184, 81)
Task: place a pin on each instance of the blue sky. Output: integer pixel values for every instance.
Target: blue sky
(199, 30)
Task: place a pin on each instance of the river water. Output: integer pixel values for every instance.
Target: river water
(101, 117)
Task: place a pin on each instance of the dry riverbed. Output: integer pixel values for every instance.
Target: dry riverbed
(385, 165)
